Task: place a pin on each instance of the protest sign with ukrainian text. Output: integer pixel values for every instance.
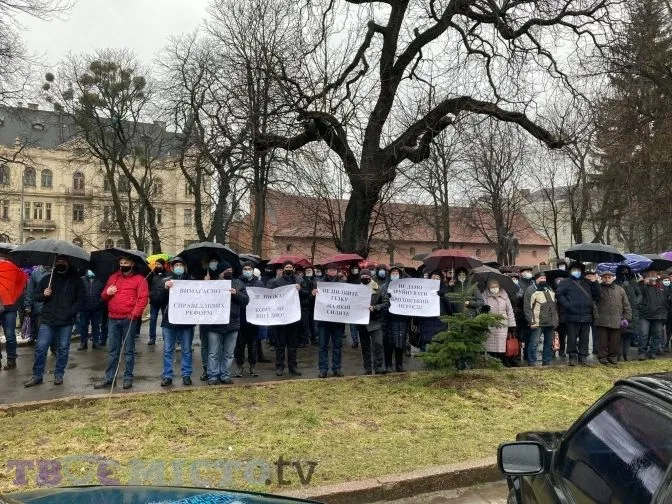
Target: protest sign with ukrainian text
(415, 297)
(199, 302)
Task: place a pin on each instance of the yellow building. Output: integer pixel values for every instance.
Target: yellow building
(48, 193)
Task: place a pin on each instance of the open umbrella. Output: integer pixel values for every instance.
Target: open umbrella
(105, 262)
(44, 252)
(444, 259)
(658, 262)
(7, 247)
(196, 252)
(12, 282)
(637, 263)
(421, 256)
(296, 260)
(253, 258)
(483, 274)
(594, 253)
(151, 260)
(341, 260)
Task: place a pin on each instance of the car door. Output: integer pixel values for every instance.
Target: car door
(618, 453)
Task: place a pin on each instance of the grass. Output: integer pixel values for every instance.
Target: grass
(353, 429)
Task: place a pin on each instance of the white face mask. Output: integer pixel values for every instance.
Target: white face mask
(562, 267)
(461, 278)
(527, 275)
(494, 290)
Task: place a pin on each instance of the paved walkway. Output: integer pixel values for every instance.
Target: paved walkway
(492, 493)
(88, 366)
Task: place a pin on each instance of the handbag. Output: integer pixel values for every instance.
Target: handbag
(512, 345)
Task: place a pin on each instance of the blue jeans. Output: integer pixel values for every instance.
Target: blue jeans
(170, 337)
(329, 331)
(547, 352)
(62, 335)
(93, 317)
(652, 332)
(220, 356)
(8, 319)
(153, 318)
(117, 330)
(354, 333)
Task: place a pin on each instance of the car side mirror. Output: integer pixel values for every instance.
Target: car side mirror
(522, 458)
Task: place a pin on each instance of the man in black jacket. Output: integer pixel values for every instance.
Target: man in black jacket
(287, 337)
(330, 331)
(91, 312)
(653, 309)
(156, 297)
(62, 295)
(247, 337)
(371, 335)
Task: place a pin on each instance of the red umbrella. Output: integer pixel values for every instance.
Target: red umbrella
(343, 259)
(296, 260)
(12, 282)
(450, 259)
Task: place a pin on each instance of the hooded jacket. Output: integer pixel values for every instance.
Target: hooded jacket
(32, 289)
(93, 289)
(543, 311)
(61, 308)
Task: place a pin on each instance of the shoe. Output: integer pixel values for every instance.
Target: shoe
(338, 372)
(226, 381)
(213, 382)
(96, 346)
(545, 364)
(368, 372)
(239, 373)
(58, 380)
(264, 361)
(204, 376)
(82, 347)
(314, 342)
(301, 345)
(127, 384)
(400, 369)
(586, 363)
(166, 382)
(11, 364)
(186, 381)
(604, 362)
(102, 384)
(380, 371)
(279, 372)
(388, 369)
(355, 344)
(573, 360)
(323, 374)
(32, 382)
(612, 362)
(651, 357)
(294, 372)
(151, 343)
(642, 357)
(253, 372)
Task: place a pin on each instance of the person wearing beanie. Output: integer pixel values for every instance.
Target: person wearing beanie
(396, 330)
(371, 335)
(288, 336)
(248, 336)
(330, 334)
(174, 333)
(577, 297)
(156, 295)
(542, 316)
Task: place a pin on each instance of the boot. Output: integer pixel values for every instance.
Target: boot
(11, 364)
(239, 373)
(399, 360)
(253, 372)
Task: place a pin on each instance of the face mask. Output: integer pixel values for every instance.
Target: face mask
(515, 281)
(366, 281)
(382, 273)
(541, 284)
(213, 265)
(124, 269)
(90, 274)
(394, 276)
(158, 269)
(179, 270)
(666, 283)
(354, 271)
(318, 274)
(309, 274)
(61, 268)
(248, 274)
(461, 278)
(576, 274)
(288, 272)
(562, 267)
(494, 290)
(527, 275)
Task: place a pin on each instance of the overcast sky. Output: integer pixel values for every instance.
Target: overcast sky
(142, 25)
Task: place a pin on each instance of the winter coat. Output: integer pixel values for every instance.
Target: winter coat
(655, 302)
(380, 301)
(32, 288)
(632, 290)
(395, 327)
(499, 304)
(459, 293)
(251, 282)
(430, 326)
(307, 286)
(322, 323)
(131, 298)
(156, 282)
(93, 289)
(576, 298)
(282, 281)
(543, 310)
(162, 297)
(239, 301)
(612, 307)
(518, 306)
(61, 308)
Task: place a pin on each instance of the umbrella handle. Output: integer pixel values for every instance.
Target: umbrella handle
(51, 277)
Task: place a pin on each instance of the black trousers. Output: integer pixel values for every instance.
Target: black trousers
(307, 327)
(247, 338)
(371, 340)
(562, 334)
(577, 340)
(287, 338)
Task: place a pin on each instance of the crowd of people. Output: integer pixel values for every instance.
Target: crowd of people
(620, 310)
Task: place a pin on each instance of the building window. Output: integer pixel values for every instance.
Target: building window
(107, 214)
(534, 253)
(78, 213)
(47, 211)
(157, 188)
(478, 252)
(38, 211)
(412, 251)
(4, 174)
(159, 216)
(109, 243)
(26, 210)
(4, 209)
(288, 247)
(29, 177)
(30, 239)
(188, 190)
(123, 185)
(47, 178)
(78, 241)
(4, 238)
(78, 181)
(106, 184)
(188, 217)
(120, 243)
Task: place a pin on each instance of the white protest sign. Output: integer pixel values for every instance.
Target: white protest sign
(342, 302)
(270, 307)
(415, 297)
(199, 302)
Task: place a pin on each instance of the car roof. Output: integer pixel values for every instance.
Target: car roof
(659, 384)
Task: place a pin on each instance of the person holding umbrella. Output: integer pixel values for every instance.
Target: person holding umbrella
(126, 294)
(62, 294)
(156, 283)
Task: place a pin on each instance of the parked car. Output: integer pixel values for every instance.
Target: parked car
(619, 451)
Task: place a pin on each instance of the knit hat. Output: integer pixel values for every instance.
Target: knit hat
(224, 265)
(365, 272)
(285, 263)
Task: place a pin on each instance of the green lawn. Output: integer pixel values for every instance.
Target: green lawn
(352, 428)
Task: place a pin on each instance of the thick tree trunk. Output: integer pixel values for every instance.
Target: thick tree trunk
(259, 221)
(355, 235)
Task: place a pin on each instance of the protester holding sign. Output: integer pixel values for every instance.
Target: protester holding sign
(288, 336)
(309, 331)
(396, 329)
(222, 337)
(172, 333)
(430, 326)
(371, 335)
(330, 332)
(247, 338)
(211, 270)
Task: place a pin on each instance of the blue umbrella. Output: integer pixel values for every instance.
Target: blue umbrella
(635, 262)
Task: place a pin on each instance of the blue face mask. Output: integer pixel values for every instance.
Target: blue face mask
(248, 274)
(213, 265)
(90, 274)
(394, 276)
(382, 273)
(576, 274)
(178, 270)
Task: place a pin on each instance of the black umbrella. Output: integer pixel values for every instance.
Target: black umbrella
(250, 258)
(45, 251)
(483, 274)
(7, 247)
(594, 253)
(105, 262)
(553, 275)
(194, 254)
(659, 263)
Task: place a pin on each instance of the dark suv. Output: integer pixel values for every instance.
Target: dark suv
(617, 452)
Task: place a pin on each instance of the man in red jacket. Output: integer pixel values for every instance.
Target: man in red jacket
(126, 295)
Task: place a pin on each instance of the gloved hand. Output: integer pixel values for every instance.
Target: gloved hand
(624, 324)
